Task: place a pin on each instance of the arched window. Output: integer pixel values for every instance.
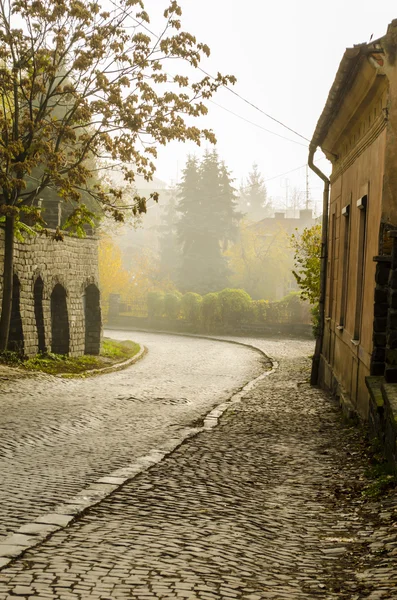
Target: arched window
(92, 312)
(15, 337)
(59, 321)
(38, 313)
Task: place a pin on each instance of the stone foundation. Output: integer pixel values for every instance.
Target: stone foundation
(56, 296)
(383, 415)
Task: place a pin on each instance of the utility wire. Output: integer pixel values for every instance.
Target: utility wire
(257, 125)
(286, 173)
(225, 86)
(291, 171)
(141, 24)
(256, 107)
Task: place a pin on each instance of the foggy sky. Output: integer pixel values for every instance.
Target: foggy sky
(285, 55)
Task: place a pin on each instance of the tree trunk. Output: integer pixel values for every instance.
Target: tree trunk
(8, 272)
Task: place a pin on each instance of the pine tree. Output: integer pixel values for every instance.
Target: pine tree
(169, 247)
(208, 222)
(228, 208)
(254, 199)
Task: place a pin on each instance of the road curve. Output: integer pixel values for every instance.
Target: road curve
(59, 435)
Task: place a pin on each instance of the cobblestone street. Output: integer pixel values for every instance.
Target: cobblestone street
(266, 505)
(59, 435)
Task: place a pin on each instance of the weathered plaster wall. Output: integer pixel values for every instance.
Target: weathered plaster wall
(359, 171)
(73, 264)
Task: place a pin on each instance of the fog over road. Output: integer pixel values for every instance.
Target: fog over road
(59, 435)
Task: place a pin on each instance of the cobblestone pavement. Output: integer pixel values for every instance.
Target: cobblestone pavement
(59, 435)
(268, 505)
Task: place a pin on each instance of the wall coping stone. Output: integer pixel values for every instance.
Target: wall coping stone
(389, 392)
(384, 259)
(374, 385)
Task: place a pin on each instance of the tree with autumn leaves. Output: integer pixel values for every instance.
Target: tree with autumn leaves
(307, 260)
(83, 87)
(132, 283)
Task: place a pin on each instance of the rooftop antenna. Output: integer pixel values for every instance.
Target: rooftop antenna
(307, 187)
(285, 184)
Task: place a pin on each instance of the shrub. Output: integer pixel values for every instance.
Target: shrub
(274, 313)
(259, 311)
(293, 307)
(315, 313)
(172, 305)
(155, 304)
(191, 307)
(211, 311)
(235, 305)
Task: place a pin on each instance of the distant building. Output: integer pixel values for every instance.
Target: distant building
(284, 226)
(357, 131)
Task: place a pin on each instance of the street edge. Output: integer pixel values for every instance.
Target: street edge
(112, 368)
(89, 373)
(32, 534)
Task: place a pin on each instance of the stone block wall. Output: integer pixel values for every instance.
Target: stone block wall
(42, 264)
(391, 324)
(381, 308)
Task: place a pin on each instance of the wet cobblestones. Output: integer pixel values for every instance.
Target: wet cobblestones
(267, 505)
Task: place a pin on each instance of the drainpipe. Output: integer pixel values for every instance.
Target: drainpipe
(323, 268)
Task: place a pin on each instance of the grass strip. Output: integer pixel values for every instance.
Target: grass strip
(112, 353)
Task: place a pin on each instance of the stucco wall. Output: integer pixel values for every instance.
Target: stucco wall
(346, 352)
(72, 263)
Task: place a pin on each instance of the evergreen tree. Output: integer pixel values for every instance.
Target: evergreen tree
(208, 222)
(254, 200)
(169, 247)
(228, 208)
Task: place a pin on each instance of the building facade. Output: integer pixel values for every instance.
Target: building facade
(357, 131)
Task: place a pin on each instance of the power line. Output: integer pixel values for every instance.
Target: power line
(257, 125)
(291, 171)
(139, 23)
(257, 107)
(286, 173)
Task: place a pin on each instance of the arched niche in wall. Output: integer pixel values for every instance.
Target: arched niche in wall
(60, 343)
(39, 314)
(15, 337)
(92, 314)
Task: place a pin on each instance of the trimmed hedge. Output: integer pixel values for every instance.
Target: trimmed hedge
(225, 308)
(172, 305)
(191, 307)
(155, 304)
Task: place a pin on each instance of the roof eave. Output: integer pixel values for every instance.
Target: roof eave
(343, 81)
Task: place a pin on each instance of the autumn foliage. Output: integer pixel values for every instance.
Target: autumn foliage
(83, 90)
(307, 247)
(134, 283)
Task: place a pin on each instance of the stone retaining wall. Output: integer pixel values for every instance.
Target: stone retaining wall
(58, 293)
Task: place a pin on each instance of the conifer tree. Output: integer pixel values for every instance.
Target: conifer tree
(169, 247)
(254, 200)
(208, 222)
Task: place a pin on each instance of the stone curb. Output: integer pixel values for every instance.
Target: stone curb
(112, 368)
(91, 373)
(200, 337)
(32, 534)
